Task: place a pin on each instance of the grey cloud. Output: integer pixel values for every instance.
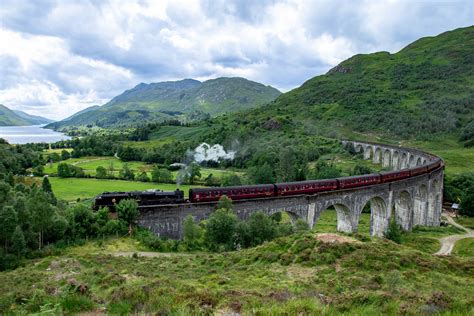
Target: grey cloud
(107, 48)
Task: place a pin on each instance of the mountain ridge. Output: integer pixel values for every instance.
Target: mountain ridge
(9, 117)
(172, 100)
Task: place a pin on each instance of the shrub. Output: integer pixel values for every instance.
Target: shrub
(127, 211)
(220, 229)
(467, 204)
(394, 232)
(101, 173)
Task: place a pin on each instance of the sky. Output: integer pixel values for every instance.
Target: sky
(59, 57)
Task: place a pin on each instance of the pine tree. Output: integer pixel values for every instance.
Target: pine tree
(46, 186)
(18, 243)
(8, 222)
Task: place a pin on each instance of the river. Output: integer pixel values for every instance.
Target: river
(30, 134)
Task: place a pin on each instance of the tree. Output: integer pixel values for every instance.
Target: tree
(4, 192)
(8, 222)
(194, 172)
(41, 213)
(161, 175)
(101, 173)
(126, 173)
(65, 155)
(467, 203)
(191, 231)
(81, 220)
(287, 163)
(10, 179)
(46, 186)
(394, 232)
(262, 174)
(229, 180)
(262, 228)
(243, 235)
(142, 177)
(225, 202)
(127, 211)
(220, 229)
(18, 244)
(38, 171)
(64, 170)
(361, 169)
(324, 171)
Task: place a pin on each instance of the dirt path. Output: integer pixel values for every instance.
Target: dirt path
(447, 243)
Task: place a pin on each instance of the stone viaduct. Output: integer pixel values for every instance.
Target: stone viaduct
(412, 201)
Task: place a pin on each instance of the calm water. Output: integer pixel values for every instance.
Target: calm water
(30, 134)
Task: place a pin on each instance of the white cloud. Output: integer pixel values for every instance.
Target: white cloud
(59, 57)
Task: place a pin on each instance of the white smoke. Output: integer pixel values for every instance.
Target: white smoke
(206, 152)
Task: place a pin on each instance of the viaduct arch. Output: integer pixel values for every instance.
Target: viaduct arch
(412, 201)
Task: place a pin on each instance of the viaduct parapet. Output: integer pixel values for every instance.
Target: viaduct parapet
(412, 201)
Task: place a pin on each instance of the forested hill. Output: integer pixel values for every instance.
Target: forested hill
(425, 89)
(187, 99)
(16, 118)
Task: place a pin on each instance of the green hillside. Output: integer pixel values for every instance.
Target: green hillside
(421, 92)
(296, 275)
(17, 118)
(184, 100)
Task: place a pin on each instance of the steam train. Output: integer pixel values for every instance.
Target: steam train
(149, 197)
(212, 194)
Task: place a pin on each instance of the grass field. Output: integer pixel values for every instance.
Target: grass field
(90, 164)
(70, 189)
(466, 221)
(295, 275)
(458, 159)
(464, 247)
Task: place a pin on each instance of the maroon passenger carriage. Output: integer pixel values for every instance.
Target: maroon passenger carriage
(235, 193)
(358, 181)
(305, 187)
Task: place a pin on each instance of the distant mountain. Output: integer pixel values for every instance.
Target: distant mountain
(17, 118)
(175, 100)
(91, 108)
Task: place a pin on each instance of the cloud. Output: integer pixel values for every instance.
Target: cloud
(58, 57)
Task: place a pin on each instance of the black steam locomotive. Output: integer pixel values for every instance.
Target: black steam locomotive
(149, 197)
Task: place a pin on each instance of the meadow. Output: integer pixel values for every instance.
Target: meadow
(294, 275)
(90, 164)
(458, 159)
(70, 189)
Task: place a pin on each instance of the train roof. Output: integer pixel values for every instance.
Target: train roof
(256, 186)
(305, 182)
(359, 176)
(397, 171)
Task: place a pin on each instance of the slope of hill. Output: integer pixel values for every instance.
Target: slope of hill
(33, 119)
(16, 118)
(426, 89)
(91, 108)
(175, 100)
(297, 275)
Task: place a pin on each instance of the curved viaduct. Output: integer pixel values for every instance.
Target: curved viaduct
(412, 201)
